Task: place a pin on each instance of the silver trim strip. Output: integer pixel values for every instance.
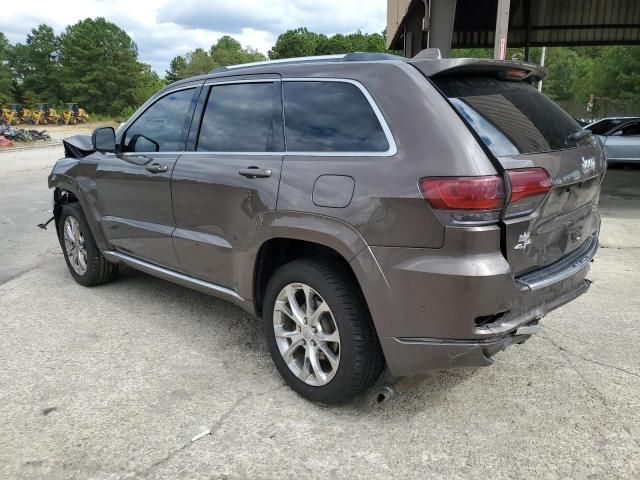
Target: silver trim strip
(391, 151)
(562, 269)
(213, 82)
(175, 277)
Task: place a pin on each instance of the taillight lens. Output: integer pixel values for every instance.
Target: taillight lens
(480, 200)
(463, 193)
(528, 182)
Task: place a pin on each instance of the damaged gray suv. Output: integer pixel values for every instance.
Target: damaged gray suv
(379, 214)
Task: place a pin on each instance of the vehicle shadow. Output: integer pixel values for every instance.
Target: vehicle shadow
(240, 335)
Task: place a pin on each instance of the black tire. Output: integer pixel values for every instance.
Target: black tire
(361, 360)
(99, 269)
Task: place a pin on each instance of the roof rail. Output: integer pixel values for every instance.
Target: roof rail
(344, 57)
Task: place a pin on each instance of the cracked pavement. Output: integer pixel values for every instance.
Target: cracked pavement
(113, 382)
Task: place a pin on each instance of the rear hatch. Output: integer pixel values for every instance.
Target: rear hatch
(552, 176)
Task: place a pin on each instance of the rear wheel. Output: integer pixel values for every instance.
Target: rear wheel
(319, 331)
(86, 264)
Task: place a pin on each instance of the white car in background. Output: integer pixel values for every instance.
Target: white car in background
(620, 137)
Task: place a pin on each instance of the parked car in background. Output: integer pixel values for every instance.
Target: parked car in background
(374, 211)
(620, 137)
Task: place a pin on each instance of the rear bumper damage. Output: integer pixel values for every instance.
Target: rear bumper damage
(437, 309)
(409, 356)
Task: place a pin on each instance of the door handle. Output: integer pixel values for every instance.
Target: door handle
(156, 168)
(255, 172)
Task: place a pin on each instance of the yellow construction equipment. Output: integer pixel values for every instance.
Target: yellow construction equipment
(43, 114)
(73, 114)
(15, 114)
(8, 117)
(24, 114)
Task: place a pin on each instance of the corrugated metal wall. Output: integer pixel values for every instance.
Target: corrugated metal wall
(551, 22)
(588, 21)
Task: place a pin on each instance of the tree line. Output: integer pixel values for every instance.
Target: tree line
(608, 77)
(293, 43)
(95, 63)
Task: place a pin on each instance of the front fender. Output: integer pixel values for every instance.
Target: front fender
(63, 178)
(61, 172)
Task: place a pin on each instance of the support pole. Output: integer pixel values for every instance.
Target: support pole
(502, 30)
(442, 14)
(527, 40)
(544, 54)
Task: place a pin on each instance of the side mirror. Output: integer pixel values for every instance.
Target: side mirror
(140, 143)
(104, 140)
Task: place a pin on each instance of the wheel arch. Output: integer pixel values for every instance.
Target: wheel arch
(68, 191)
(278, 251)
(296, 235)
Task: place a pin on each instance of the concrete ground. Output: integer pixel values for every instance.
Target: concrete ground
(114, 382)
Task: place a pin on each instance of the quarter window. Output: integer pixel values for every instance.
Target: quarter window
(162, 127)
(242, 117)
(330, 117)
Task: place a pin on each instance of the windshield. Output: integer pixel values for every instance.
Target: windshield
(510, 117)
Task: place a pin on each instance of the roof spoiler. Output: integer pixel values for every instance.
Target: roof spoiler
(432, 66)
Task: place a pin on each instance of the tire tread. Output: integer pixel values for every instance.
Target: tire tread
(368, 360)
(99, 269)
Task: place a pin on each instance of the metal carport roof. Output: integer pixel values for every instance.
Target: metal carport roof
(531, 22)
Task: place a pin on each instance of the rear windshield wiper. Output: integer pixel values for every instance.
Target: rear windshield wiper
(580, 134)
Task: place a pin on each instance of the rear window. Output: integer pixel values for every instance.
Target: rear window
(511, 117)
(325, 116)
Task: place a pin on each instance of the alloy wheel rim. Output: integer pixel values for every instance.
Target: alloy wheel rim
(74, 245)
(306, 334)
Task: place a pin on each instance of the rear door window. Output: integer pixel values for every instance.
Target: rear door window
(630, 130)
(242, 117)
(511, 117)
(322, 116)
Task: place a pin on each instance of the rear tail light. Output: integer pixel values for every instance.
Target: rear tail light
(527, 182)
(480, 200)
(465, 199)
(463, 193)
(529, 186)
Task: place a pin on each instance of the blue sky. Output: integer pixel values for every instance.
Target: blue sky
(163, 29)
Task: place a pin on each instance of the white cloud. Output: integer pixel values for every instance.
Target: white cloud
(163, 29)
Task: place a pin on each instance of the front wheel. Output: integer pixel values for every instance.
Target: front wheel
(319, 331)
(81, 253)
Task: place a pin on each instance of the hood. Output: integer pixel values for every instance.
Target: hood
(78, 146)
